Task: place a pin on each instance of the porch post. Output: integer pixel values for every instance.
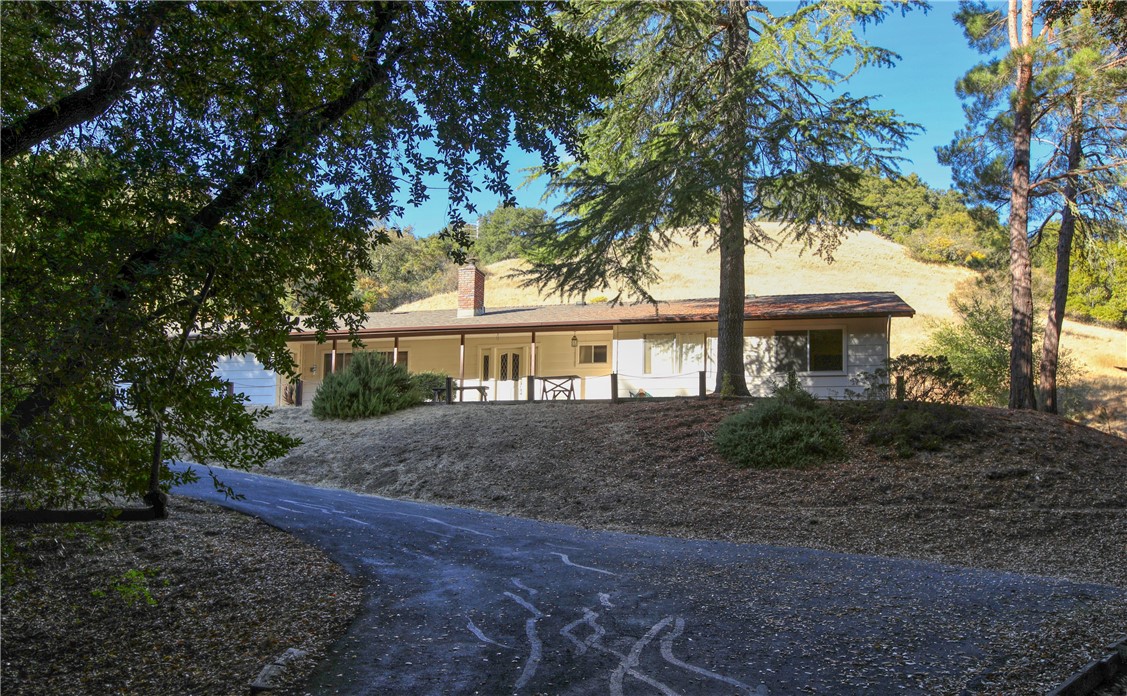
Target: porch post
(395, 352)
(531, 381)
(333, 357)
(462, 365)
(703, 388)
(614, 387)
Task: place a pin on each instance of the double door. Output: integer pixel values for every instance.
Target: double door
(503, 369)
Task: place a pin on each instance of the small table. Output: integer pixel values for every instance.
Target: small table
(557, 386)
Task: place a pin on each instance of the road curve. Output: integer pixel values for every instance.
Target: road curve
(466, 602)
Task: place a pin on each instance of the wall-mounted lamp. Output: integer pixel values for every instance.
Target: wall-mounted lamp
(313, 369)
(574, 341)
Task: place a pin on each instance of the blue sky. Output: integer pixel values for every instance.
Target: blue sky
(933, 55)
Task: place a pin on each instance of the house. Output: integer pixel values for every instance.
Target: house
(572, 351)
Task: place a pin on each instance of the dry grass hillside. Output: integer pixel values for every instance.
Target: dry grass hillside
(864, 261)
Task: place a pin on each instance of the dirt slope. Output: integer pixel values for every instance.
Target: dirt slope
(1031, 493)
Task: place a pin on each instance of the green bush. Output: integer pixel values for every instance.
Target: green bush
(370, 386)
(927, 378)
(910, 427)
(427, 382)
(789, 429)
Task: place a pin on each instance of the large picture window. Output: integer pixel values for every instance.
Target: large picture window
(819, 350)
(670, 354)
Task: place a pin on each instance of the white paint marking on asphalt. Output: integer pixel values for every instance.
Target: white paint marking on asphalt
(481, 636)
(598, 631)
(296, 512)
(627, 665)
(667, 653)
(524, 587)
(353, 519)
(445, 524)
(567, 561)
(604, 599)
(535, 646)
(322, 508)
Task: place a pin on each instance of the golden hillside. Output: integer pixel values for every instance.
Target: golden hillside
(864, 261)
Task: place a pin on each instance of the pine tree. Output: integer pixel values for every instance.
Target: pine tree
(1064, 85)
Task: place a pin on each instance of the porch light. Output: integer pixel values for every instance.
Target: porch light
(574, 341)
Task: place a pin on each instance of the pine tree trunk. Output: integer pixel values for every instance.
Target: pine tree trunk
(1021, 317)
(1050, 347)
(730, 322)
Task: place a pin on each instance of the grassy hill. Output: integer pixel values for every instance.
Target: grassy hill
(864, 261)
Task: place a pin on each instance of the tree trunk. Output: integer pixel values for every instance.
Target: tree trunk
(730, 321)
(1050, 347)
(1021, 316)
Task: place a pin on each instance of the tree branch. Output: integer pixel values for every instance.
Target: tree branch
(91, 101)
(206, 220)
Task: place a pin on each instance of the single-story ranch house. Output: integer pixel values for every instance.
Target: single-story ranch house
(572, 351)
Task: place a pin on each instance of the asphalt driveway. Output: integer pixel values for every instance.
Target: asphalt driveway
(466, 602)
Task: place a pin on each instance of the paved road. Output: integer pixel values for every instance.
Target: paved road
(465, 602)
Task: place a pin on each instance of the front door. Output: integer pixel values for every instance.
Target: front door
(505, 367)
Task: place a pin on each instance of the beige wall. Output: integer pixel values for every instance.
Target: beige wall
(865, 350)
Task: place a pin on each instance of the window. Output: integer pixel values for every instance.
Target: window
(670, 354)
(819, 350)
(342, 361)
(593, 354)
(389, 355)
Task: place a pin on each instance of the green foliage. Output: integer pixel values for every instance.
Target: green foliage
(133, 587)
(234, 179)
(370, 386)
(788, 429)
(657, 160)
(909, 427)
(927, 378)
(406, 269)
(978, 344)
(427, 382)
(506, 233)
(1097, 289)
(935, 226)
(978, 347)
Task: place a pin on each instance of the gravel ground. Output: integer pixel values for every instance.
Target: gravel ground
(229, 595)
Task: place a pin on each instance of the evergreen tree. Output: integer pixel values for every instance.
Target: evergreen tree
(1069, 91)
(725, 115)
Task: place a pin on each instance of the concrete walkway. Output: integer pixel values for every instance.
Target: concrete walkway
(466, 602)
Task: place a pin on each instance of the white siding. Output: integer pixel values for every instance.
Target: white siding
(250, 378)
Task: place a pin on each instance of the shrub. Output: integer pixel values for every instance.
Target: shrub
(369, 386)
(788, 429)
(928, 378)
(427, 382)
(911, 427)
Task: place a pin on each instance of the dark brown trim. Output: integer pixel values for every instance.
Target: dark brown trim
(530, 328)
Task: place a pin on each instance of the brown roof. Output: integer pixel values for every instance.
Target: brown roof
(601, 315)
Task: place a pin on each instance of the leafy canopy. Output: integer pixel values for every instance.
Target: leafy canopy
(172, 172)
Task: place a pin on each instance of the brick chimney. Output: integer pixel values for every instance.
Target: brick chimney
(471, 290)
